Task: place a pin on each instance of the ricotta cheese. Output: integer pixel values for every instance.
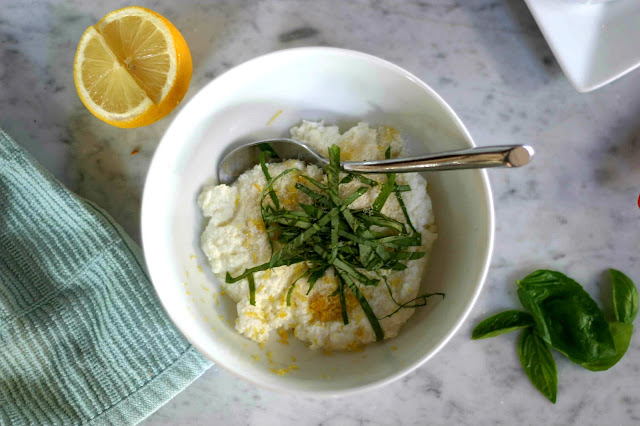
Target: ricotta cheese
(235, 239)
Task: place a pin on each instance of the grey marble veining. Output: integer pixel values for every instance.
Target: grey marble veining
(574, 209)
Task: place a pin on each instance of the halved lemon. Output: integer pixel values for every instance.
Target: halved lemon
(132, 68)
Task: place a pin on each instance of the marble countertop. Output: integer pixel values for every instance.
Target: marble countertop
(574, 209)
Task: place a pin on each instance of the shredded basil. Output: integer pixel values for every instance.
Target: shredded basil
(327, 233)
(252, 289)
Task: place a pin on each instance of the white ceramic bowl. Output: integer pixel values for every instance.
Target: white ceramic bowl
(343, 87)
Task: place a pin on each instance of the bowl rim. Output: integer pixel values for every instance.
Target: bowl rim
(488, 247)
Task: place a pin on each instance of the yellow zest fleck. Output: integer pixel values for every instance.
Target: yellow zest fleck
(394, 348)
(194, 301)
(202, 300)
(205, 288)
(359, 332)
(271, 299)
(388, 134)
(213, 328)
(222, 293)
(220, 317)
(355, 347)
(258, 187)
(327, 352)
(282, 314)
(284, 336)
(200, 268)
(261, 345)
(274, 117)
(188, 292)
(293, 358)
(267, 274)
(283, 371)
(185, 283)
(229, 322)
(193, 256)
(325, 308)
(300, 268)
(246, 241)
(269, 357)
(186, 273)
(255, 314)
(206, 318)
(255, 357)
(259, 224)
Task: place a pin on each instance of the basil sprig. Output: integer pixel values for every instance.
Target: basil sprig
(329, 234)
(563, 316)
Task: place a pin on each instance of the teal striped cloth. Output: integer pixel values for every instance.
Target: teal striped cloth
(83, 338)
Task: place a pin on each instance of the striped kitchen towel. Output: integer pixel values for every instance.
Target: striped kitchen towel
(83, 338)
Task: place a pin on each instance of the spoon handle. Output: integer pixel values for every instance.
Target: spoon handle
(474, 158)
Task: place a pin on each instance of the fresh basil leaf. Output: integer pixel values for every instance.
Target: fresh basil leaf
(621, 332)
(625, 297)
(566, 317)
(537, 361)
(504, 322)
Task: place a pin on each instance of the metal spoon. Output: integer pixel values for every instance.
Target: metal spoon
(244, 157)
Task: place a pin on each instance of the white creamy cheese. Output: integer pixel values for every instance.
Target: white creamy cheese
(235, 239)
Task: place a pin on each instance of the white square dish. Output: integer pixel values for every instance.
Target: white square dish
(593, 43)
